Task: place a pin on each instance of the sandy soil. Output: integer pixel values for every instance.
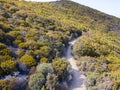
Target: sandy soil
(77, 82)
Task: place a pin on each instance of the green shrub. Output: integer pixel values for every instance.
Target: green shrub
(4, 84)
(8, 84)
(4, 50)
(28, 60)
(5, 27)
(8, 66)
(51, 82)
(43, 60)
(84, 48)
(23, 45)
(5, 58)
(30, 52)
(44, 51)
(60, 66)
(2, 46)
(36, 81)
(16, 37)
(45, 68)
(2, 36)
(94, 44)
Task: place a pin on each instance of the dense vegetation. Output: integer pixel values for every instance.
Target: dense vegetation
(34, 35)
(98, 55)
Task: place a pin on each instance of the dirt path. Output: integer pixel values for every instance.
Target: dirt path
(78, 79)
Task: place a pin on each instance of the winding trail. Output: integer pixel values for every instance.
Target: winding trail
(77, 82)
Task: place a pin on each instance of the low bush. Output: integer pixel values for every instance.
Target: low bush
(36, 81)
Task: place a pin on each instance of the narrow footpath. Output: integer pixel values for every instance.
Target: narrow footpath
(77, 82)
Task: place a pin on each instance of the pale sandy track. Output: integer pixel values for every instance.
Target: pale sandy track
(77, 82)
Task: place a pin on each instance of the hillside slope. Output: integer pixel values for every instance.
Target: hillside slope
(33, 33)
